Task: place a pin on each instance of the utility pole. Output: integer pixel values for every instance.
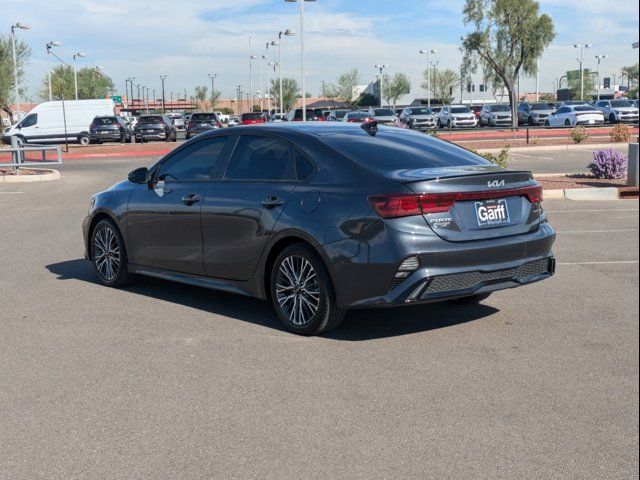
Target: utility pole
(213, 89)
(428, 54)
(16, 88)
(599, 58)
(162, 77)
(381, 69)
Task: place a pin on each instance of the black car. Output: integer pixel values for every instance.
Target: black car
(155, 127)
(313, 115)
(324, 217)
(109, 129)
(202, 122)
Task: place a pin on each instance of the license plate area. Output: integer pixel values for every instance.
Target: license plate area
(491, 213)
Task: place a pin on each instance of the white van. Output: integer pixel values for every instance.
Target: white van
(48, 122)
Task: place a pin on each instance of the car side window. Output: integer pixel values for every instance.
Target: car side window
(562, 110)
(29, 120)
(261, 158)
(198, 161)
(304, 168)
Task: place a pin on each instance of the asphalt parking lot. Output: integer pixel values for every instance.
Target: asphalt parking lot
(554, 161)
(163, 381)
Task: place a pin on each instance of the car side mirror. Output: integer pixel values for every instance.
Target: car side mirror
(140, 175)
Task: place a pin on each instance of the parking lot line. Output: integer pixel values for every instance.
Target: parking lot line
(613, 262)
(6, 193)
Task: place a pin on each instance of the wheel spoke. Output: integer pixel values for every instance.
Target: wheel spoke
(297, 290)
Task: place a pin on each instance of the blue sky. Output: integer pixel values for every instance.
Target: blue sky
(189, 39)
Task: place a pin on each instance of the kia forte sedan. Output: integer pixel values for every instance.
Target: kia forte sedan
(319, 218)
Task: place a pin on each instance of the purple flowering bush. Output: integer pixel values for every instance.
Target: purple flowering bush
(608, 163)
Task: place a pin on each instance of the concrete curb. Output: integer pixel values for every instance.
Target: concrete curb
(45, 177)
(556, 148)
(583, 194)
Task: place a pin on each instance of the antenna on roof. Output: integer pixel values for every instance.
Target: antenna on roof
(370, 127)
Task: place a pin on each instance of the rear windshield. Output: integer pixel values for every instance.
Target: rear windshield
(105, 121)
(383, 112)
(621, 103)
(151, 119)
(420, 111)
(500, 108)
(397, 149)
(583, 108)
(358, 115)
(252, 116)
(341, 113)
(460, 110)
(540, 106)
(203, 117)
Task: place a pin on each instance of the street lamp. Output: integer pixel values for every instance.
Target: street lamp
(213, 90)
(162, 77)
(50, 45)
(381, 68)
(20, 26)
(582, 46)
(304, 93)
(278, 43)
(75, 71)
(251, 59)
(428, 54)
(129, 99)
(600, 58)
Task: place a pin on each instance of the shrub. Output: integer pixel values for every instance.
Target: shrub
(226, 111)
(501, 159)
(579, 134)
(608, 163)
(620, 133)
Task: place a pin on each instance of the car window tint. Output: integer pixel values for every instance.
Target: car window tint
(304, 168)
(29, 120)
(260, 158)
(195, 162)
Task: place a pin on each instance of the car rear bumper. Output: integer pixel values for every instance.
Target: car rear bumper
(152, 135)
(107, 136)
(447, 270)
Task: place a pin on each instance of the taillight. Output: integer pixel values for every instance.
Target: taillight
(218, 124)
(396, 206)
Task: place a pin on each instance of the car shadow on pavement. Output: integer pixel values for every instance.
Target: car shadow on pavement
(358, 325)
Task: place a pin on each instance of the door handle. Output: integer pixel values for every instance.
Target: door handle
(191, 198)
(272, 202)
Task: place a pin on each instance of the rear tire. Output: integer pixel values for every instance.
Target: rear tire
(567, 122)
(84, 139)
(109, 255)
(612, 119)
(471, 300)
(302, 292)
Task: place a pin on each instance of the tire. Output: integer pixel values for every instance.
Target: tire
(439, 124)
(315, 315)
(547, 124)
(175, 137)
(84, 139)
(530, 120)
(128, 139)
(567, 122)
(106, 240)
(612, 119)
(471, 300)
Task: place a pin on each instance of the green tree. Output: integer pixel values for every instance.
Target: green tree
(345, 89)
(200, 94)
(442, 84)
(395, 87)
(509, 36)
(92, 83)
(7, 76)
(589, 85)
(631, 72)
(290, 91)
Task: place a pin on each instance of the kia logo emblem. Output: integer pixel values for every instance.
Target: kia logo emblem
(495, 183)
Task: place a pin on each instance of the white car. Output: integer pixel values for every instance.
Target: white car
(616, 111)
(572, 115)
(233, 121)
(224, 118)
(384, 116)
(495, 115)
(456, 116)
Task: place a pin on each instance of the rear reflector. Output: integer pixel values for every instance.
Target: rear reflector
(395, 206)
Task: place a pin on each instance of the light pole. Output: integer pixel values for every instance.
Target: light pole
(162, 77)
(302, 78)
(381, 68)
(213, 89)
(251, 59)
(270, 64)
(428, 54)
(599, 58)
(126, 85)
(75, 71)
(582, 46)
(50, 45)
(262, 57)
(16, 88)
(286, 33)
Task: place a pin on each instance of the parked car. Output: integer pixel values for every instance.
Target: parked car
(572, 102)
(533, 113)
(336, 115)
(234, 121)
(571, 115)
(155, 127)
(357, 116)
(257, 212)
(617, 111)
(251, 118)
(295, 115)
(476, 109)
(202, 122)
(495, 115)
(49, 122)
(419, 118)
(456, 116)
(384, 116)
(278, 117)
(109, 129)
(178, 120)
(223, 117)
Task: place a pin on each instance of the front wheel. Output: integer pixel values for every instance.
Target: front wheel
(612, 118)
(567, 122)
(302, 292)
(84, 139)
(109, 255)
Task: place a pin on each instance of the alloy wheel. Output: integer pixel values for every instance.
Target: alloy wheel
(297, 290)
(106, 253)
